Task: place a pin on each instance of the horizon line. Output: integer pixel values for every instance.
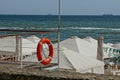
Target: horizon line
(67, 14)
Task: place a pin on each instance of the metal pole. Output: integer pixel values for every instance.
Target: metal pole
(58, 30)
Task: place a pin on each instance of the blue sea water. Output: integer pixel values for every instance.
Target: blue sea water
(71, 25)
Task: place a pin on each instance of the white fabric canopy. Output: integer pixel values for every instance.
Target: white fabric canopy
(94, 43)
(8, 44)
(75, 53)
(81, 46)
(33, 38)
(79, 55)
(28, 47)
(73, 60)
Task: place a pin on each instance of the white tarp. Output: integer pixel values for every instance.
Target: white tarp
(33, 38)
(81, 46)
(28, 47)
(73, 60)
(74, 54)
(8, 44)
(79, 55)
(94, 43)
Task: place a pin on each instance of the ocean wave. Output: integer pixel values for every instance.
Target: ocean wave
(93, 28)
(11, 28)
(86, 28)
(64, 28)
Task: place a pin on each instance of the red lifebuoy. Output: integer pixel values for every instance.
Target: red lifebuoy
(39, 51)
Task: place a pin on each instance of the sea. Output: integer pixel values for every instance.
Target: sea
(82, 26)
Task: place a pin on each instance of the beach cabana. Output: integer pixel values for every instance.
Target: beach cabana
(81, 46)
(28, 47)
(33, 38)
(7, 45)
(80, 63)
(77, 54)
(72, 60)
(94, 43)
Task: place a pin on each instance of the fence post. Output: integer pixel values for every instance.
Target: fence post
(18, 55)
(100, 48)
(17, 48)
(20, 52)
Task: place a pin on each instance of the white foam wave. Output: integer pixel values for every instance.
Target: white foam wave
(11, 28)
(86, 28)
(67, 28)
(93, 28)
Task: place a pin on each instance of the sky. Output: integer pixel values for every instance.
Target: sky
(68, 7)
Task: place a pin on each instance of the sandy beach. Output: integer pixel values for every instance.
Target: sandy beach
(37, 74)
(12, 71)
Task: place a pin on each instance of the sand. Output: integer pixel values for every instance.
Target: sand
(8, 72)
